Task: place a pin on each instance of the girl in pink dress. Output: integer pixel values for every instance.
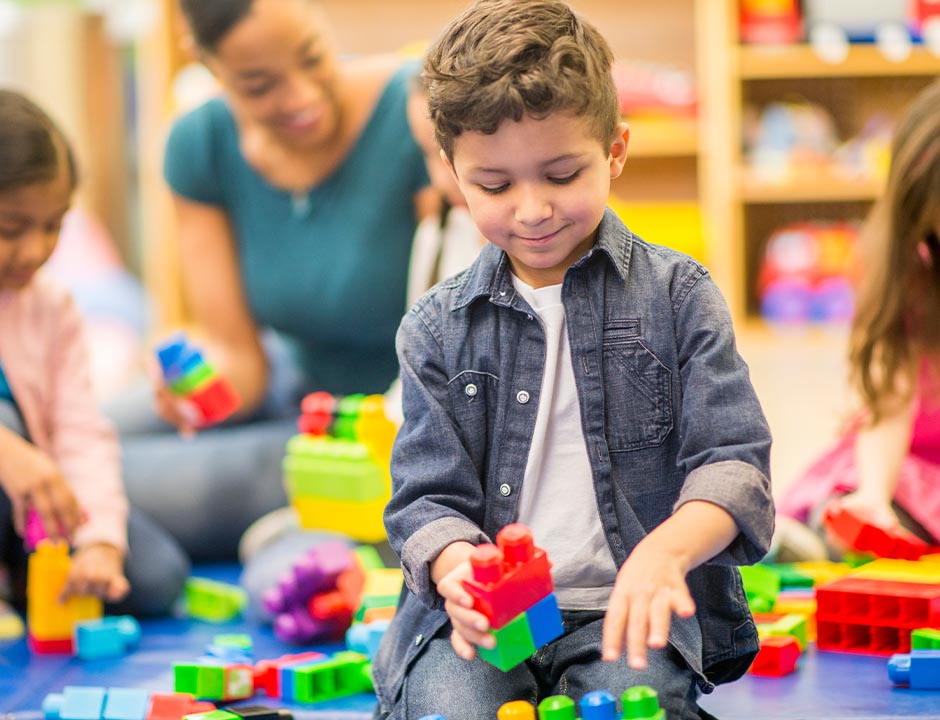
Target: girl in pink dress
(887, 466)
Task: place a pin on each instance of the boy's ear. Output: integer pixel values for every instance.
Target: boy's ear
(618, 149)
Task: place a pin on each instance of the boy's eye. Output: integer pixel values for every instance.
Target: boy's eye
(494, 190)
(312, 61)
(566, 179)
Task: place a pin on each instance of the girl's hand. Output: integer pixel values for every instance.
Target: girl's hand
(876, 510)
(97, 570)
(650, 586)
(32, 480)
(470, 627)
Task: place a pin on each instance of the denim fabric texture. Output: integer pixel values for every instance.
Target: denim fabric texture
(668, 415)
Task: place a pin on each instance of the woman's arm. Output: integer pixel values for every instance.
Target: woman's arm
(215, 296)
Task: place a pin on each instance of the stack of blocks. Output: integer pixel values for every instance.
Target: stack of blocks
(212, 679)
(512, 586)
(336, 472)
(98, 703)
(51, 624)
(312, 677)
(640, 702)
(188, 375)
(782, 640)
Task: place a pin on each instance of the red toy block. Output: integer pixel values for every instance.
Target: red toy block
(857, 533)
(510, 577)
(174, 706)
(873, 616)
(267, 672)
(57, 646)
(777, 656)
(216, 400)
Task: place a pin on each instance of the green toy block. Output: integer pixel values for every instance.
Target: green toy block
(856, 559)
(514, 644)
(557, 707)
(925, 639)
(213, 715)
(205, 682)
(760, 584)
(369, 557)
(641, 702)
(790, 576)
(327, 448)
(338, 479)
(346, 673)
(191, 381)
(238, 641)
(213, 601)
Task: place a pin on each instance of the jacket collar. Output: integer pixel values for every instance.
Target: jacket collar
(489, 276)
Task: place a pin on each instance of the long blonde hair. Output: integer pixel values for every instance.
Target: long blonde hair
(897, 318)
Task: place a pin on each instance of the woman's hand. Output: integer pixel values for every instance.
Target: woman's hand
(471, 628)
(32, 480)
(173, 409)
(97, 570)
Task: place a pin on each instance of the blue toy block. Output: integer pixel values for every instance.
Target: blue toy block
(75, 703)
(169, 352)
(545, 620)
(106, 637)
(432, 717)
(126, 704)
(919, 670)
(598, 705)
(366, 637)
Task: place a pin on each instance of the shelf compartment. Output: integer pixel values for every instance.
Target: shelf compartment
(806, 186)
(663, 137)
(762, 62)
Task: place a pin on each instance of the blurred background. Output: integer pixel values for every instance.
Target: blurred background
(760, 132)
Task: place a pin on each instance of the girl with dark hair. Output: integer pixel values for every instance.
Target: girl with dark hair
(59, 458)
(297, 195)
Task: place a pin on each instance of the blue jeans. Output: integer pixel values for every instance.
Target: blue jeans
(440, 682)
(156, 566)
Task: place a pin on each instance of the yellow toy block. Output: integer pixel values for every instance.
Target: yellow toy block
(822, 571)
(46, 617)
(382, 582)
(375, 430)
(900, 571)
(361, 521)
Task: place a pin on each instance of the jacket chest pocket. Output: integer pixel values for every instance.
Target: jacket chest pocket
(638, 395)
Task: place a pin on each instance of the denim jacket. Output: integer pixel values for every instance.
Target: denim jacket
(667, 410)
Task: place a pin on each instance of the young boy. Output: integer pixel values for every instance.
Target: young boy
(575, 379)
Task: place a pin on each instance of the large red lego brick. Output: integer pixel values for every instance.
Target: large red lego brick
(778, 656)
(857, 533)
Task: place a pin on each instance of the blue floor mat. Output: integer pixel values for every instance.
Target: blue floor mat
(826, 685)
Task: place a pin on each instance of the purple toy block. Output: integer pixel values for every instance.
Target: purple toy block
(315, 571)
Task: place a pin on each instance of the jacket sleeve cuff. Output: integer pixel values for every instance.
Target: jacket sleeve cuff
(422, 549)
(742, 491)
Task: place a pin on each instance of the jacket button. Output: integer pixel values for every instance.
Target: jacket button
(418, 639)
(522, 396)
(505, 490)
(471, 390)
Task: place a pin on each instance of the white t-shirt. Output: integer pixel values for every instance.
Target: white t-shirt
(558, 501)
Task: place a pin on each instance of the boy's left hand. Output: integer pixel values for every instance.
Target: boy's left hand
(650, 586)
(97, 570)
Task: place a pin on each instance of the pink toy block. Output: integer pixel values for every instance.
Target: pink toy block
(857, 533)
(34, 530)
(873, 616)
(508, 577)
(777, 656)
(267, 672)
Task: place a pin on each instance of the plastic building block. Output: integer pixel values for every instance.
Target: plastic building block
(214, 681)
(513, 644)
(188, 374)
(213, 601)
(268, 672)
(856, 532)
(783, 625)
(641, 702)
(11, 626)
(515, 710)
(50, 622)
(173, 706)
(598, 705)
(75, 703)
(509, 577)
(899, 571)
(856, 614)
(106, 637)
(212, 715)
(919, 670)
(259, 712)
(925, 639)
(126, 704)
(231, 647)
(346, 673)
(365, 637)
(761, 585)
(557, 707)
(778, 656)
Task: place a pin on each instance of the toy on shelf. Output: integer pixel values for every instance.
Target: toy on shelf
(512, 586)
(919, 669)
(805, 274)
(213, 601)
(336, 472)
(51, 623)
(770, 22)
(856, 533)
(651, 89)
(188, 375)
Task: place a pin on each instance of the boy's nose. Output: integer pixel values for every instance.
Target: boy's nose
(532, 208)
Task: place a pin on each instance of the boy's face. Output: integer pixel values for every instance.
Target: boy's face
(538, 189)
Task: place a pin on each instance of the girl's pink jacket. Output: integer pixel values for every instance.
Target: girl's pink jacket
(45, 360)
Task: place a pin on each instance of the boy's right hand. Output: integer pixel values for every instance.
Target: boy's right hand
(471, 628)
(32, 480)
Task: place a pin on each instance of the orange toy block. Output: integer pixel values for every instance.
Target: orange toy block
(509, 577)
